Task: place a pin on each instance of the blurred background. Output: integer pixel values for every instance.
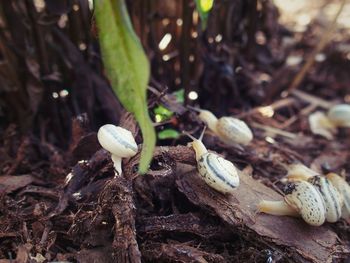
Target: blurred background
(244, 55)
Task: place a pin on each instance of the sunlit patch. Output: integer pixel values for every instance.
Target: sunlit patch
(164, 42)
(39, 5)
(266, 111)
(264, 77)
(82, 46)
(77, 195)
(64, 93)
(68, 178)
(284, 94)
(191, 58)
(82, 162)
(55, 95)
(76, 8)
(238, 69)
(293, 60)
(158, 118)
(260, 38)
(179, 22)
(270, 139)
(192, 95)
(166, 57)
(218, 38)
(194, 34)
(165, 21)
(62, 21)
(320, 57)
(195, 17)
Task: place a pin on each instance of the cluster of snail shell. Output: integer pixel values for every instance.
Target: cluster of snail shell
(217, 172)
(316, 198)
(326, 124)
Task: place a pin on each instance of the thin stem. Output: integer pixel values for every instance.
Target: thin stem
(117, 163)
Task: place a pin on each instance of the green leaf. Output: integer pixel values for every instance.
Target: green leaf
(180, 95)
(204, 7)
(163, 112)
(168, 134)
(127, 67)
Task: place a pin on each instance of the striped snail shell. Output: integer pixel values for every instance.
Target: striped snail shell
(119, 142)
(344, 189)
(301, 199)
(230, 130)
(216, 171)
(332, 199)
(339, 115)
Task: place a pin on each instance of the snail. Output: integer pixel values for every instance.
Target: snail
(119, 142)
(296, 170)
(333, 200)
(230, 131)
(321, 125)
(301, 198)
(339, 115)
(344, 189)
(216, 171)
(326, 125)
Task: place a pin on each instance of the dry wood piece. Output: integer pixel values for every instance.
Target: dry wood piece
(118, 196)
(195, 224)
(301, 242)
(10, 183)
(156, 252)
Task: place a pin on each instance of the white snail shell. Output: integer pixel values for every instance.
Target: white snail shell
(217, 172)
(333, 201)
(229, 130)
(344, 189)
(304, 198)
(299, 171)
(340, 115)
(320, 124)
(117, 140)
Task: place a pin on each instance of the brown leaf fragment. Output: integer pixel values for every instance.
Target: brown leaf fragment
(312, 244)
(10, 183)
